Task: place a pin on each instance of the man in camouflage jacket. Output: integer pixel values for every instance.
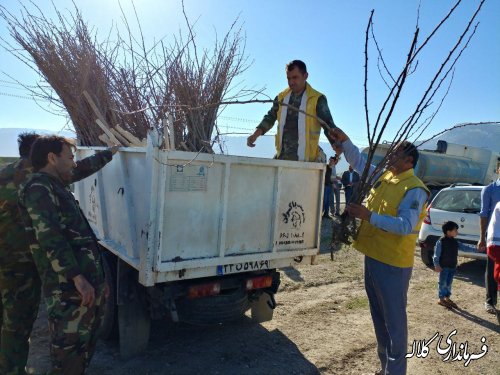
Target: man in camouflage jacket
(65, 251)
(19, 281)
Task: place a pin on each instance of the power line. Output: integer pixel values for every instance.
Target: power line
(16, 96)
(10, 82)
(238, 119)
(228, 118)
(9, 86)
(232, 127)
(22, 85)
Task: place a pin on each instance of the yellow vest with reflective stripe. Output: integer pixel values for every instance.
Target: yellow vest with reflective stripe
(311, 125)
(385, 196)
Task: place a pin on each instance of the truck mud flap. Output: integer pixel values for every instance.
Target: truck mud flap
(134, 328)
(262, 308)
(134, 319)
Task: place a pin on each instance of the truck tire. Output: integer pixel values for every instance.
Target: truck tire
(221, 308)
(109, 325)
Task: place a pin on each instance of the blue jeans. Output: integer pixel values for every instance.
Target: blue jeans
(445, 280)
(326, 200)
(348, 194)
(387, 289)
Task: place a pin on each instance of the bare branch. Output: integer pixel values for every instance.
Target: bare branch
(367, 117)
(458, 126)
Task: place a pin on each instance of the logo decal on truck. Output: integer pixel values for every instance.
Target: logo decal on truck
(294, 215)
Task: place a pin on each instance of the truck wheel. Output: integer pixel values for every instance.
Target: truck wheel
(109, 325)
(221, 308)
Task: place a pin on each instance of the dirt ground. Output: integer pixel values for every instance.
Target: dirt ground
(321, 325)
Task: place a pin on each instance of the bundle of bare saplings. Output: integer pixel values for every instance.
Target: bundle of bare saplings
(435, 86)
(116, 89)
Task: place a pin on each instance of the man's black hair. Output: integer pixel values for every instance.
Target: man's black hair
(410, 149)
(296, 64)
(449, 225)
(43, 146)
(25, 141)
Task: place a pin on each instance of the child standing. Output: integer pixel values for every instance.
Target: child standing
(445, 261)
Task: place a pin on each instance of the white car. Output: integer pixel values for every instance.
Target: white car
(460, 204)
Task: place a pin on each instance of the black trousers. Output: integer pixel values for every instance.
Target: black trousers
(490, 283)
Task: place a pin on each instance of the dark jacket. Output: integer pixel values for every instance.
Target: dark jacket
(345, 178)
(449, 252)
(328, 176)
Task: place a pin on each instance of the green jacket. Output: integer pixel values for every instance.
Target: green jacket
(14, 246)
(61, 240)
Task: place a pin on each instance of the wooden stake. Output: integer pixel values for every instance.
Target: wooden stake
(171, 131)
(94, 107)
(104, 138)
(166, 139)
(128, 136)
(107, 132)
(120, 137)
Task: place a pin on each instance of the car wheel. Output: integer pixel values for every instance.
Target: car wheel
(426, 255)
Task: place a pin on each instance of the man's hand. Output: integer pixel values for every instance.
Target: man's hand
(338, 148)
(359, 211)
(85, 290)
(338, 134)
(114, 149)
(251, 140)
(481, 245)
(437, 269)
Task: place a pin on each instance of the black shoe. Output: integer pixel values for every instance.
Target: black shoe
(337, 214)
(327, 217)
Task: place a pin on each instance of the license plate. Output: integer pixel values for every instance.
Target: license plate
(244, 267)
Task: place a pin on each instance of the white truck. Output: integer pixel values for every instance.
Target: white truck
(197, 237)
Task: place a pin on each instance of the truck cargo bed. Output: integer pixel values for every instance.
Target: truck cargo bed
(176, 215)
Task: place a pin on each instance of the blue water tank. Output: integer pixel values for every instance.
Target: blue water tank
(439, 169)
(442, 169)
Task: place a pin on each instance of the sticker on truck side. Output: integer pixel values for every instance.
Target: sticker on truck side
(188, 178)
(244, 267)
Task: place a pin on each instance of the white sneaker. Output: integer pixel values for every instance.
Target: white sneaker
(490, 308)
